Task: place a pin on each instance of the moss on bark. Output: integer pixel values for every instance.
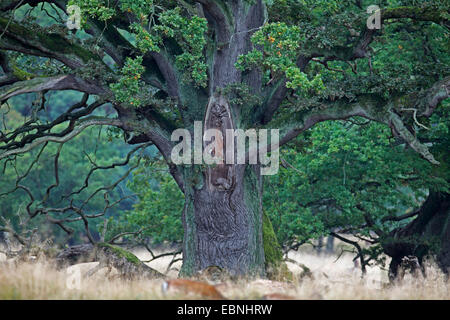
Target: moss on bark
(276, 268)
(416, 13)
(121, 252)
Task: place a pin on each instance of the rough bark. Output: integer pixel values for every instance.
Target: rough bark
(233, 37)
(224, 228)
(75, 254)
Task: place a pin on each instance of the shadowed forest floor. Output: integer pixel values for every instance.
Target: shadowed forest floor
(330, 279)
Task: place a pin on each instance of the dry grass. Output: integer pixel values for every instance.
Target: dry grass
(331, 280)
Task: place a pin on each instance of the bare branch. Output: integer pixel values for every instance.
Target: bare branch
(397, 124)
(76, 131)
(358, 248)
(111, 166)
(401, 217)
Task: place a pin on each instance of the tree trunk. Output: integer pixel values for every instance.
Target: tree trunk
(319, 245)
(223, 219)
(224, 228)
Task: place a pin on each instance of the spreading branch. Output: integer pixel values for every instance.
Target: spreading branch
(62, 82)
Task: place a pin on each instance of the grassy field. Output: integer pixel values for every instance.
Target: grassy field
(330, 279)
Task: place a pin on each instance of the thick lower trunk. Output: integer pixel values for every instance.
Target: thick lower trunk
(224, 228)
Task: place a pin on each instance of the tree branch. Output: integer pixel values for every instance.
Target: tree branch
(216, 15)
(62, 82)
(435, 95)
(428, 13)
(358, 248)
(396, 123)
(76, 131)
(279, 92)
(168, 73)
(39, 42)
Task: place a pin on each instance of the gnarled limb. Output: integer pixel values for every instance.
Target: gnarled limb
(38, 42)
(397, 124)
(62, 82)
(435, 95)
(428, 13)
(370, 107)
(76, 131)
(360, 50)
(10, 139)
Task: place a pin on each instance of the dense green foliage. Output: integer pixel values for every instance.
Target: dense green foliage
(341, 171)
